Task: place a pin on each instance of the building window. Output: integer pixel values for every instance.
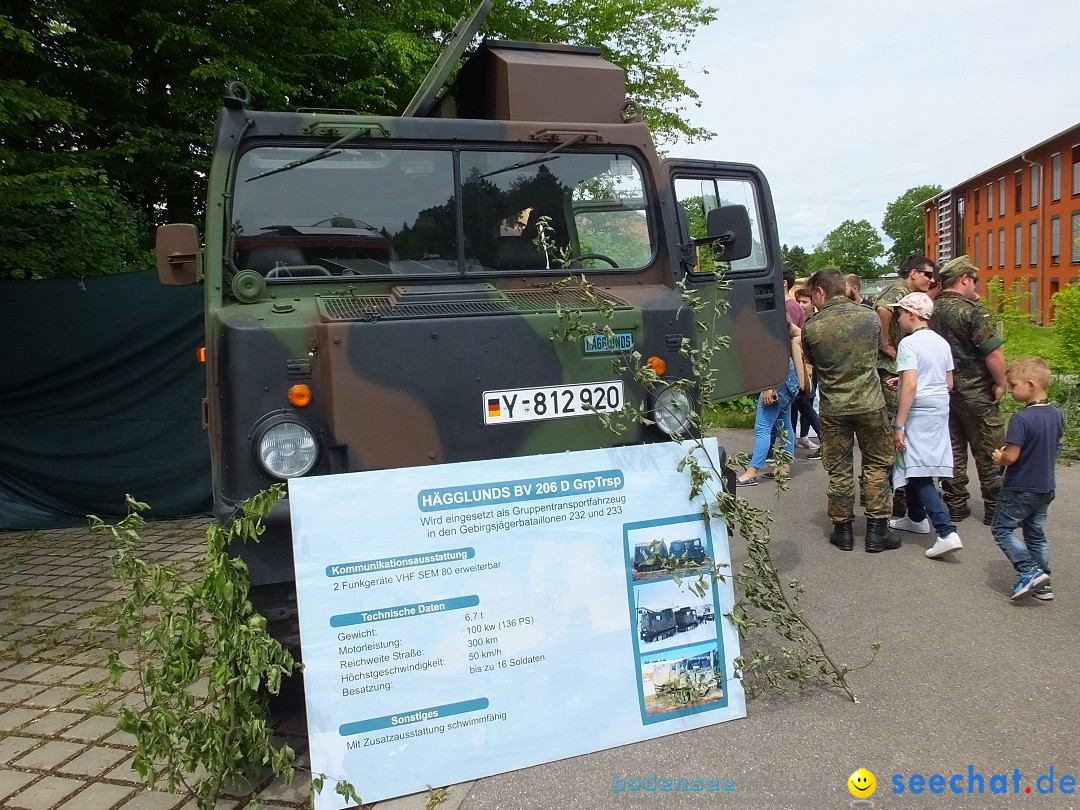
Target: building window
(977, 263)
(1074, 238)
(1033, 295)
(989, 201)
(1055, 177)
(1001, 196)
(1035, 171)
(1076, 170)
(1001, 247)
(990, 249)
(975, 202)
(1033, 252)
(1055, 239)
(1019, 179)
(1018, 244)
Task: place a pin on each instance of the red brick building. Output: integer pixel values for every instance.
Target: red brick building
(1019, 221)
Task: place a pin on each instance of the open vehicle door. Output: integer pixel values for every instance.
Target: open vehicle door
(734, 199)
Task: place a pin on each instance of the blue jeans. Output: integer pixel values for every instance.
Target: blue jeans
(922, 500)
(1027, 510)
(768, 416)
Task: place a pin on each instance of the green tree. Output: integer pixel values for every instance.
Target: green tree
(905, 223)
(60, 215)
(130, 93)
(795, 259)
(852, 246)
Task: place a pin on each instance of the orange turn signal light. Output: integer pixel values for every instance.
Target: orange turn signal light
(657, 365)
(200, 354)
(300, 395)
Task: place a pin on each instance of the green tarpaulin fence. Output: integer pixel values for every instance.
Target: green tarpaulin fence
(101, 397)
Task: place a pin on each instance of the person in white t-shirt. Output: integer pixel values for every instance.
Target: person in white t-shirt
(924, 363)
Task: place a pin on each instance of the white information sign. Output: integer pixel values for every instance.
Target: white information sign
(463, 620)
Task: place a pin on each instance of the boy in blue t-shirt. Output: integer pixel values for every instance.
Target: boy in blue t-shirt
(1031, 442)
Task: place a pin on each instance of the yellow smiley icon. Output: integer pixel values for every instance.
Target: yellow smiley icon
(862, 784)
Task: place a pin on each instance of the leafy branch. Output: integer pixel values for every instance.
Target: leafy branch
(203, 661)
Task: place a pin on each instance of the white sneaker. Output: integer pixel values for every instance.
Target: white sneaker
(945, 545)
(906, 524)
(805, 443)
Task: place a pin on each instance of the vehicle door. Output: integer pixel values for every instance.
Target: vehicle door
(748, 301)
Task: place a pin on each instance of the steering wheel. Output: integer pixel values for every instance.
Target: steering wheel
(342, 221)
(599, 256)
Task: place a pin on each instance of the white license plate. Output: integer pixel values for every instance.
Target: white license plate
(552, 402)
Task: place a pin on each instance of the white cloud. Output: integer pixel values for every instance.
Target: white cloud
(845, 104)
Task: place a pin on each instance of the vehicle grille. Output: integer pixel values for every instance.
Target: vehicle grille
(380, 307)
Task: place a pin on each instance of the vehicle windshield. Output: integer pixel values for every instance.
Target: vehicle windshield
(395, 212)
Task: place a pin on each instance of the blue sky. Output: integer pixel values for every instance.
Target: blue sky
(845, 104)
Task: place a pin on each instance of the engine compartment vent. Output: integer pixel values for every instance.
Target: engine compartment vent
(413, 303)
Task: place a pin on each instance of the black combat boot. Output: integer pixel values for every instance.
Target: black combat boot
(843, 536)
(878, 536)
(958, 513)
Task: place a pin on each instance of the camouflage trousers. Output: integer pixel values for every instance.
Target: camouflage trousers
(892, 402)
(980, 427)
(838, 436)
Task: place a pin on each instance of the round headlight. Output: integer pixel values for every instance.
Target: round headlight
(671, 411)
(288, 449)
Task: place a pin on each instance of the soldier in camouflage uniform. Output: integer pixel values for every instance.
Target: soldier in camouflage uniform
(978, 383)
(841, 341)
(916, 275)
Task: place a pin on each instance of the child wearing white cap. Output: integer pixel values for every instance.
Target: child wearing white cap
(921, 432)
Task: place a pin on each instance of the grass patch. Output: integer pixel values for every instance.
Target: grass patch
(1024, 338)
(733, 413)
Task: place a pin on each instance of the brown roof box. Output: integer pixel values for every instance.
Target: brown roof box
(525, 81)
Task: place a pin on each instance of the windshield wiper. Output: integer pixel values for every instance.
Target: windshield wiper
(322, 153)
(544, 158)
(326, 151)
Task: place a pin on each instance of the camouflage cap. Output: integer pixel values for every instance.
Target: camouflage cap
(960, 266)
(917, 303)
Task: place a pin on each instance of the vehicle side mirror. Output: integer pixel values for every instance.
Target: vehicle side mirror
(729, 229)
(177, 253)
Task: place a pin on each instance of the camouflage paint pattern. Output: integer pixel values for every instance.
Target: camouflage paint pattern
(841, 342)
(838, 436)
(393, 388)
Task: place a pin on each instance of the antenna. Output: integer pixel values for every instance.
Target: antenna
(455, 46)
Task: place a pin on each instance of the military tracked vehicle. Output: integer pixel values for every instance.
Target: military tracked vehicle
(379, 295)
(686, 618)
(657, 624)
